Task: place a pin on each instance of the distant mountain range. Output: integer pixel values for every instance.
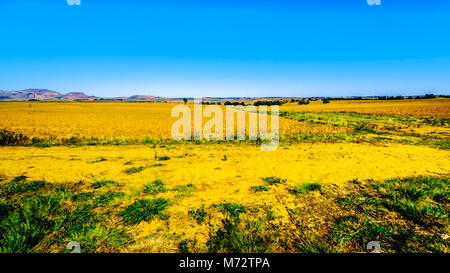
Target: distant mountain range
(49, 95)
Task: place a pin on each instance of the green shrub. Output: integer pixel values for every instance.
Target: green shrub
(9, 138)
(19, 178)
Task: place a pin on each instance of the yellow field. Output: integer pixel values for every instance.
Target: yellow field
(110, 120)
(417, 107)
(218, 181)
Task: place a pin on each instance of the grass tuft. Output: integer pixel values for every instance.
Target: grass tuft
(103, 183)
(144, 210)
(259, 188)
(232, 210)
(106, 198)
(198, 214)
(155, 187)
(21, 186)
(184, 190)
(272, 180)
(306, 188)
(134, 170)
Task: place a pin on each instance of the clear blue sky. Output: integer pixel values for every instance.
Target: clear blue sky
(226, 47)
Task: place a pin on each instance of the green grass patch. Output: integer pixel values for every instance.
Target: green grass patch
(404, 215)
(103, 183)
(306, 188)
(259, 188)
(199, 214)
(22, 186)
(386, 128)
(144, 210)
(423, 200)
(106, 198)
(41, 221)
(231, 209)
(99, 159)
(135, 170)
(444, 145)
(237, 236)
(355, 232)
(272, 180)
(184, 190)
(82, 196)
(155, 187)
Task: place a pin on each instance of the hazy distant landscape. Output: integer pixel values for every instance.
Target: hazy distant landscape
(49, 95)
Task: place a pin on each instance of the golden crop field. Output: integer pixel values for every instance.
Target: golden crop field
(108, 120)
(336, 181)
(417, 107)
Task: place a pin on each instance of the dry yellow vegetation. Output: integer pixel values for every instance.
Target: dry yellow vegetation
(244, 164)
(216, 180)
(418, 107)
(107, 120)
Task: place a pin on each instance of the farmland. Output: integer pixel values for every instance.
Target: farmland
(108, 175)
(421, 107)
(110, 121)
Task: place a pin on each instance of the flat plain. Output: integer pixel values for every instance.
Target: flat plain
(108, 175)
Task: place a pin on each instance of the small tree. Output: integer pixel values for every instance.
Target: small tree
(303, 102)
(325, 101)
(185, 100)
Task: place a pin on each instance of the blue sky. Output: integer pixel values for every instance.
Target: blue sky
(226, 48)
